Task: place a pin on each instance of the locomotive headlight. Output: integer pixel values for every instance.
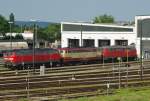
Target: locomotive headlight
(11, 59)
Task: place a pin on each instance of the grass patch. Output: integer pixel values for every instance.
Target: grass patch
(23, 99)
(130, 94)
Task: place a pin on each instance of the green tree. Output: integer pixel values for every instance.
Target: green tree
(17, 29)
(18, 36)
(4, 25)
(41, 34)
(104, 19)
(54, 31)
(50, 33)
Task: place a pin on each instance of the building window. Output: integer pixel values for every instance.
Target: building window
(103, 43)
(73, 43)
(88, 43)
(121, 42)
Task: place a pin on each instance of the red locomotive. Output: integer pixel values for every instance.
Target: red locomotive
(20, 58)
(85, 55)
(49, 57)
(123, 53)
(80, 55)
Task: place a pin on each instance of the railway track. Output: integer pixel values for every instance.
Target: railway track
(82, 82)
(70, 81)
(57, 74)
(66, 69)
(64, 76)
(63, 90)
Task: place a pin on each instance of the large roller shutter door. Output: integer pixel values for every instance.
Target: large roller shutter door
(88, 42)
(146, 48)
(73, 43)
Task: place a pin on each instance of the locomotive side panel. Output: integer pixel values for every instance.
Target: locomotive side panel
(80, 54)
(18, 58)
(123, 52)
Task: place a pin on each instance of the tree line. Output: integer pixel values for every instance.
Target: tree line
(49, 33)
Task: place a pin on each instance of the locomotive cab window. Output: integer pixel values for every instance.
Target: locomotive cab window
(52, 51)
(1, 53)
(61, 51)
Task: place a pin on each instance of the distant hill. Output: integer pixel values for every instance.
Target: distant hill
(29, 23)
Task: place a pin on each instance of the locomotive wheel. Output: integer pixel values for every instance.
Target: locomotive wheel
(60, 63)
(13, 68)
(127, 65)
(20, 68)
(6, 66)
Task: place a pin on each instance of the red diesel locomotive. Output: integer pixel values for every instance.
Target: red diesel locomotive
(80, 55)
(20, 58)
(85, 55)
(123, 53)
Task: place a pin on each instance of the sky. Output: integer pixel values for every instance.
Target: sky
(73, 10)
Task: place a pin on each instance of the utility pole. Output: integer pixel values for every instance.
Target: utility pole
(141, 53)
(119, 71)
(28, 84)
(127, 68)
(34, 42)
(34, 47)
(81, 35)
(10, 29)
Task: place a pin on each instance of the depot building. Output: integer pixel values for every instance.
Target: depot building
(97, 35)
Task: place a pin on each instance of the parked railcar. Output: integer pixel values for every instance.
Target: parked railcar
(20, 58)
(80, 55)
(123, 53)
(50, 57)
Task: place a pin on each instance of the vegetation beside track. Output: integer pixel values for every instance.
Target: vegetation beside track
(130, 94)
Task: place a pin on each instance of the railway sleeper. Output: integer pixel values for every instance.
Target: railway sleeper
(34, 85)
(98, 86)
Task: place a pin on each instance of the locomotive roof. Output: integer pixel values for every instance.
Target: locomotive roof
(87, 48)
(131, 46)
(17, 50)
(80, 48)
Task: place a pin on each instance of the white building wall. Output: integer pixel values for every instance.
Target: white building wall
(112, 36)
(138, 39)
(26, 35)
(15, 45)
(65, 35)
